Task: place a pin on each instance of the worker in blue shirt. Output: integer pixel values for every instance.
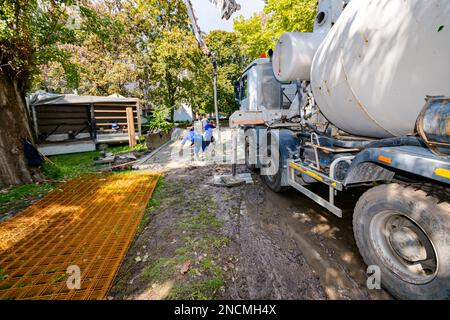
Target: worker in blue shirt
(189, 136)
(204, 122)
(208, 137)
(195, 139)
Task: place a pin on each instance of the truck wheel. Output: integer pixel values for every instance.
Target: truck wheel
(406, 233)
(271, 170)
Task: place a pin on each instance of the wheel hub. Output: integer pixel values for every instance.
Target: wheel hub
(404, 247)
(406, 243)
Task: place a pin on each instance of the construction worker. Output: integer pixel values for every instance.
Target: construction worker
(204, 122)
(195, 139)
(208, 136)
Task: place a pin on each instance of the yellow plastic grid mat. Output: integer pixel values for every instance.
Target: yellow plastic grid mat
(85, 225)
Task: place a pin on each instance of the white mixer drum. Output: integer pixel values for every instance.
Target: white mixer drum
(373, 70)
(293, 55)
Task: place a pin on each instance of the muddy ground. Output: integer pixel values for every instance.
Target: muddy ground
(199, 241)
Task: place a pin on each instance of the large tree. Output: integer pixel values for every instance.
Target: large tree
(155, 47)
(176, 57)
(260, 32)
(33, 32)
(231, 61)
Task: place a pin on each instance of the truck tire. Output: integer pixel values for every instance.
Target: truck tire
(273, 180)
(406, 233)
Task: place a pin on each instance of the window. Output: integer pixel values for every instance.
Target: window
(270, 89)
(244, 88)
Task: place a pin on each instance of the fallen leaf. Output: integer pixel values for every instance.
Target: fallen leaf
(185, 267)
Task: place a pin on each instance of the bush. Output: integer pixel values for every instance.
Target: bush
(183, 124)
(158, 121)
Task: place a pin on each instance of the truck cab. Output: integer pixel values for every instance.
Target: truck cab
(257, 90)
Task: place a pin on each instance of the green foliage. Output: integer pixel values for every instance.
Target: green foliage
(253, 35)
(35, 32)
(158, 120)
(146, 49)
(175, 60)
(231, 61)
(260, 32)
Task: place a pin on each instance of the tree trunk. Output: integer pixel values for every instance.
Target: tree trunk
(14, 126)
(170, 95)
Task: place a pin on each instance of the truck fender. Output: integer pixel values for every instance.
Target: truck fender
(365, 169)
(393, 160)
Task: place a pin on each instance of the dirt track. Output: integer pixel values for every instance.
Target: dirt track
(281, 246)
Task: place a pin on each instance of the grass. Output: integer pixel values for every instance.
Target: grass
(125, 148)
(5, 286)
(59, 278)
(153, 204)
(200, 244)
(204, 220)
(161, 270)
(3, 276)
(58, 168)
(69, 166)
(61, 167)
(26, 190)
(18, 197)
(205, 276)
(203, 290)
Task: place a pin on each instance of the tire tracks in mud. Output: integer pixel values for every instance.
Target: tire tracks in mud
(281, 258)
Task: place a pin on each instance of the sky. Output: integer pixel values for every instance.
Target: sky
(209, 16)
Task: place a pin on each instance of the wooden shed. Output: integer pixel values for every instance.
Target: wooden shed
(72, 123)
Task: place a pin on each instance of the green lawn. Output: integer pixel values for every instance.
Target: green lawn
(69, 166)
(59, 168)
(14, 199)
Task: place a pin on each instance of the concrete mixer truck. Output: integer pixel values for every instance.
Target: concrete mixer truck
(363, 101)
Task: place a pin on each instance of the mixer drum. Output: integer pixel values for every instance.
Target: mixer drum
(373, 70)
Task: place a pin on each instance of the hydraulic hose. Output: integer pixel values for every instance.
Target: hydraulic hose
(388, 142)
